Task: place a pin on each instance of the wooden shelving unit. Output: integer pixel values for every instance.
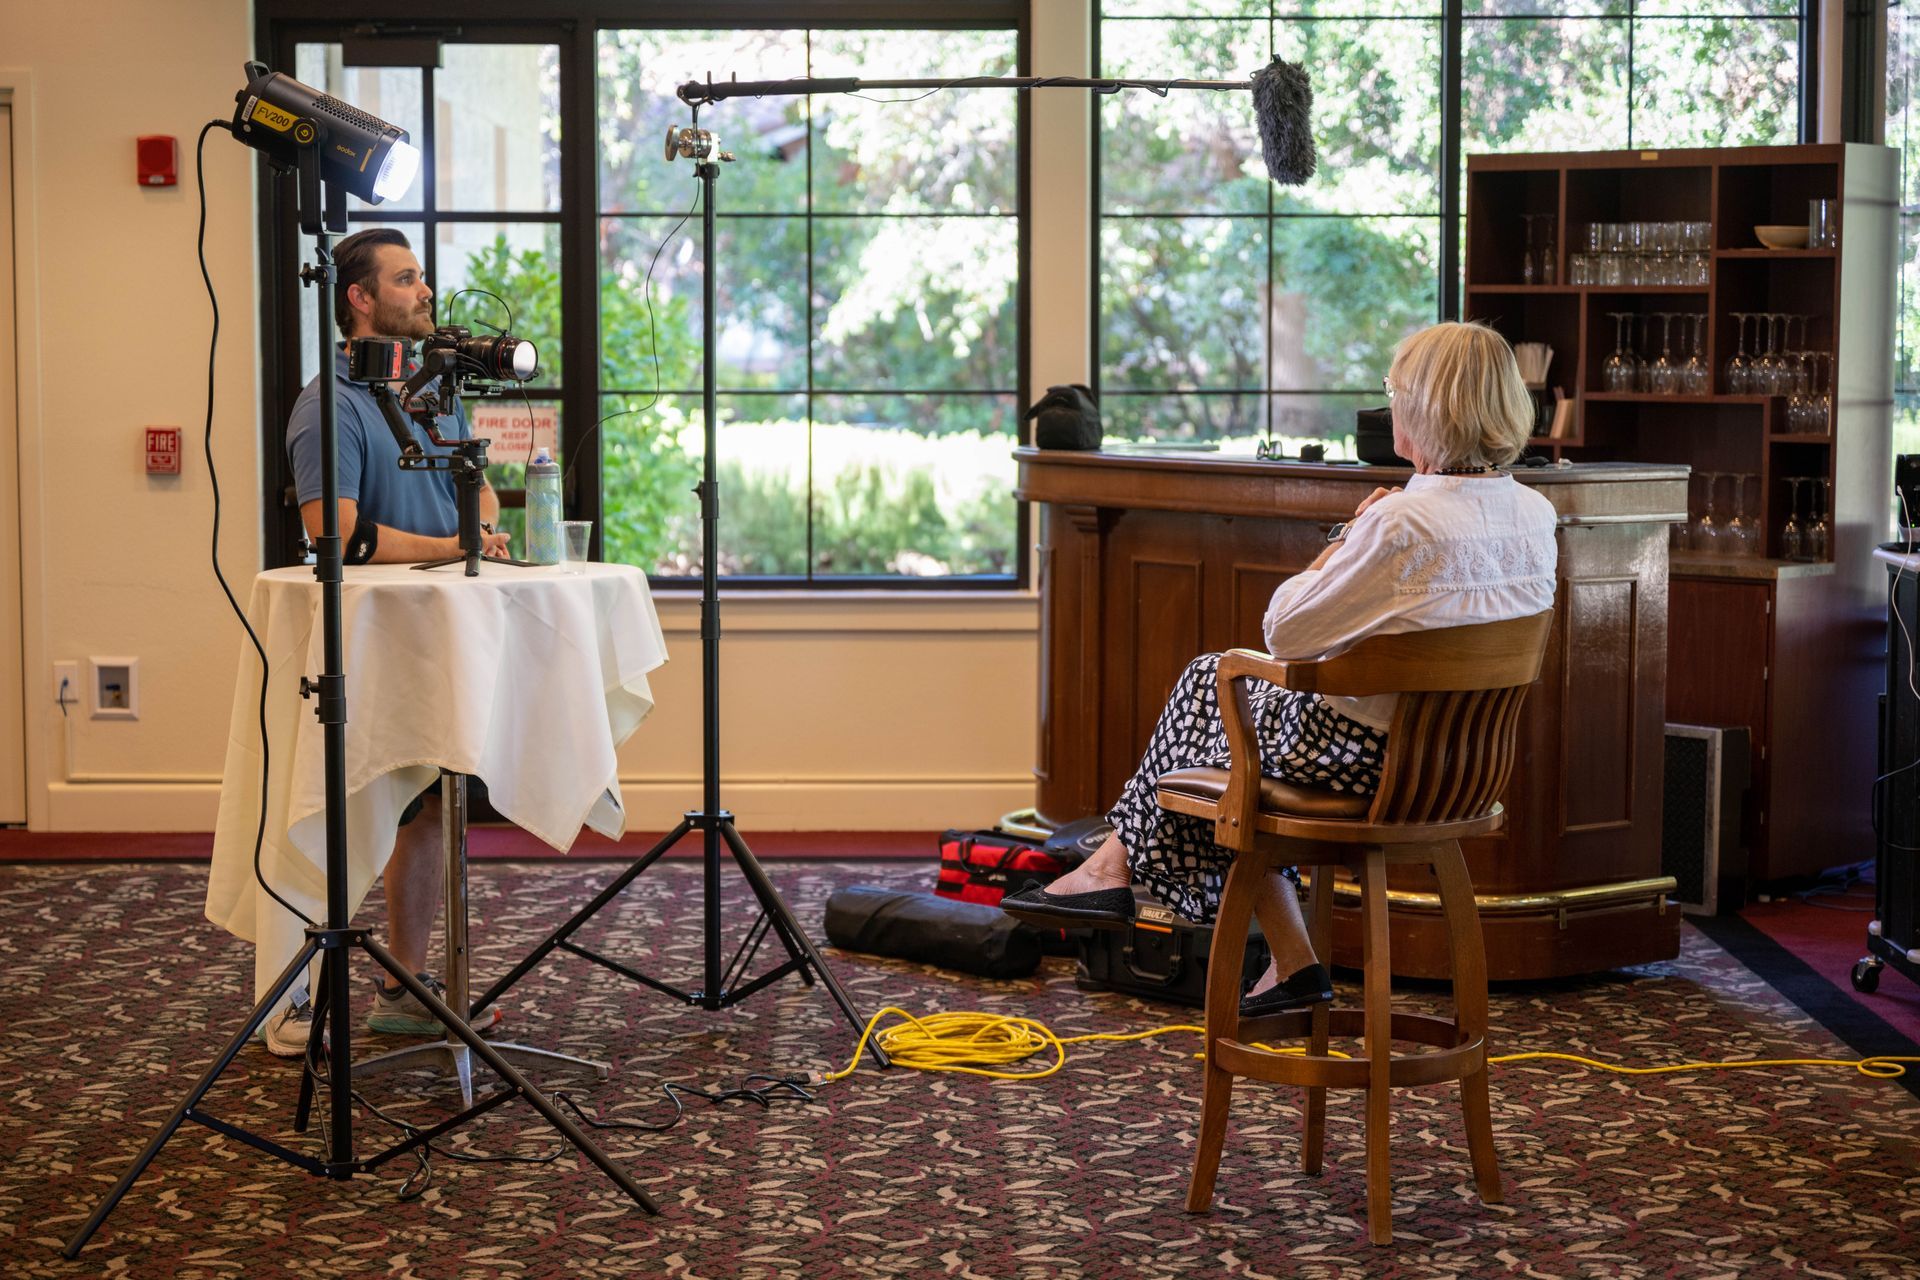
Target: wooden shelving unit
(1787, 650)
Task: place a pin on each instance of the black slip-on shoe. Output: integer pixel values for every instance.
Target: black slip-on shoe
(1100, 909)
(1312, 985)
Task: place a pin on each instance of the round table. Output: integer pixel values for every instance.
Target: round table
(529, 678)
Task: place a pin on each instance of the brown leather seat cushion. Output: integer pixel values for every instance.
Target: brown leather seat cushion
(1276, 796)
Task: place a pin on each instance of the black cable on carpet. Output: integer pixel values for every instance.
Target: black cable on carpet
(1859, 1028)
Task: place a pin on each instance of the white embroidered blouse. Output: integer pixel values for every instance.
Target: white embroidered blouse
(1446, 551)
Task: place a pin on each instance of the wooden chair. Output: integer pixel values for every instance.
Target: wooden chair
(1449, 752)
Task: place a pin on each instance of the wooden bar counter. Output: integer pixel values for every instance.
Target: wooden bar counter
(1149, 559)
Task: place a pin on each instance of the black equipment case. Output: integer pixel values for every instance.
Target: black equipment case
(1162, 957)
(1893, 937)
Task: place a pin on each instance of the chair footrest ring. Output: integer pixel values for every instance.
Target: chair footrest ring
(1451, 1059)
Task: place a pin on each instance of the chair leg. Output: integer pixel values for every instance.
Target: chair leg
(1224, 964)
(1468, 951)
(1379, 1015)
(1320, 934)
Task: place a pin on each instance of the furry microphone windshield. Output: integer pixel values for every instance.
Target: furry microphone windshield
(1282, 107)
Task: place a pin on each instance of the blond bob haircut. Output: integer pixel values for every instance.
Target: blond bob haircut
(1458, 396)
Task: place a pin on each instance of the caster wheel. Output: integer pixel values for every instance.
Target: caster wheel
(1866, 975)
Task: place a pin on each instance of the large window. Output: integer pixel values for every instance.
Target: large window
(484, 214)
(1232, 310)
(869, 334)
(870, 247)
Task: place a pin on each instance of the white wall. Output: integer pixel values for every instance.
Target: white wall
(840, 712)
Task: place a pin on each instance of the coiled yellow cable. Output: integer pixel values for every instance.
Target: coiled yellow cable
(973, 1043)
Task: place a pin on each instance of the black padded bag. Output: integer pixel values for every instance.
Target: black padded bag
(968, 937)
(1066, 418)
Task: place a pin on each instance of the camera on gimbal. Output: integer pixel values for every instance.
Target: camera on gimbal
(451, 361)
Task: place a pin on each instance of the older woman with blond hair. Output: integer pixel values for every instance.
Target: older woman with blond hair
(1461, 543)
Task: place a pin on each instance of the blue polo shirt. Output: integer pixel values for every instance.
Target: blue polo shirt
(421, 502)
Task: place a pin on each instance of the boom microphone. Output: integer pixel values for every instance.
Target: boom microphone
(1282, 107)
(1282, 102)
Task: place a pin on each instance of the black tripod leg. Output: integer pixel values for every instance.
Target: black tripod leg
(140, 1162)
(777, 909)
(580, 917)
(487, 1054)
(316, 1036)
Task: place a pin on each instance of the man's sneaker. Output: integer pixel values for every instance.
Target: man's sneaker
(287, 1031)
(397, 1013)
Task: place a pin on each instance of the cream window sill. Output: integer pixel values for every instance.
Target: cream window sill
(852, 612)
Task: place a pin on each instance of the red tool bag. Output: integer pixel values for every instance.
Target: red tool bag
(986, 866)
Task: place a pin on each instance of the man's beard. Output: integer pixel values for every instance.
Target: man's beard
(402, 320)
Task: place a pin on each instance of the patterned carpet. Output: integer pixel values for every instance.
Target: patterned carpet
(117, 992)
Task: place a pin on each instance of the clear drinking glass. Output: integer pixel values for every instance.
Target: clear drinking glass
(1823, 230)
(576, 545)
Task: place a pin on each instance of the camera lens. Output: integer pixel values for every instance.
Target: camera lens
(500, 356)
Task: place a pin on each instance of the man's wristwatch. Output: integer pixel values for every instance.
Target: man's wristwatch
(1339, 532)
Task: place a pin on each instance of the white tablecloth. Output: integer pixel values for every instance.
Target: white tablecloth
(526, 678)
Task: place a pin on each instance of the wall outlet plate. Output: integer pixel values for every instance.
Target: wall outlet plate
(113, 688)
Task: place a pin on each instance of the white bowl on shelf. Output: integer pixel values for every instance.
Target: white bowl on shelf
(1782, 237)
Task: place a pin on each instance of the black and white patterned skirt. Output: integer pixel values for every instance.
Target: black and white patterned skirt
(1302, 740)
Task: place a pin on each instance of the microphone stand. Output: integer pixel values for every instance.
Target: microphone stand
(1283, 131)
(323, 214)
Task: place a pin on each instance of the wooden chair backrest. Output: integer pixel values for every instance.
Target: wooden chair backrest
(1451, 747)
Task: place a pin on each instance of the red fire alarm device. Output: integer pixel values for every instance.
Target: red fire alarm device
(163, 451)
(159, 161)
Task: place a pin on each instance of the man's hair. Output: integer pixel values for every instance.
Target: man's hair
(356, 260)
(1459, 396)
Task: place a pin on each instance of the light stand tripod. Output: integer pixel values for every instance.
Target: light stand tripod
(322, 214)
(720, 989)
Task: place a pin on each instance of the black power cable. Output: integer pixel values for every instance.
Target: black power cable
(213, 478)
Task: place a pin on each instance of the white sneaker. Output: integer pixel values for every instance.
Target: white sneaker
(288, 1031)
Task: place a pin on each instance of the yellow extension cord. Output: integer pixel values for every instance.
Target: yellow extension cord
(973, 1043)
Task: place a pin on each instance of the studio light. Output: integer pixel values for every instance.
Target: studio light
(277, 115)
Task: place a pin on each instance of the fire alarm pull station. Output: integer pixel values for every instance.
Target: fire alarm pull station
(163, 451)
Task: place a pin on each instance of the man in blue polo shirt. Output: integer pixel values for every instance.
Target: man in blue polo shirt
(386, 516)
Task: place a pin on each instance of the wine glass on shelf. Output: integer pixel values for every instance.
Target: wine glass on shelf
(1793, 534)
(1739, 368)
(1526, 261)
(1696, 376)
(1662, 377)
(1820, 416)
(1549, 266)
(1770, 369)
(1642, 367)
(1706, 530)
(1732, 540)
(1799, 410)
(1820, 535)
(1793, 362)
(1751, 540)
(1617, 373)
